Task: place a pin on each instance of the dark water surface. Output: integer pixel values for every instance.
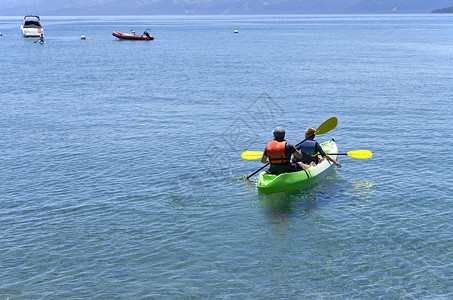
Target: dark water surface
(120, 160)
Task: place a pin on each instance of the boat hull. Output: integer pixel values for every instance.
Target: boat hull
(269, 183)
(126, 36)
(32, 32)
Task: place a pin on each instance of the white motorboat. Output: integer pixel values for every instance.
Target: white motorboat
(31, 26)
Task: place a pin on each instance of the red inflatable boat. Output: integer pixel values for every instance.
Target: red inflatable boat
(130, 36)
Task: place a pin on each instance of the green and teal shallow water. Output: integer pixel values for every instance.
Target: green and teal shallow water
(120, 160)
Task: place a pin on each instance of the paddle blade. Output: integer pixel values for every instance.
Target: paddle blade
(362, 154)
(327, 126)
(251, 154)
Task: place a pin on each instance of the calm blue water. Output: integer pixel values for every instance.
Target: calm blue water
(120, 160)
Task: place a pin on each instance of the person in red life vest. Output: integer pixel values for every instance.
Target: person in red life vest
(310, 149)
(278, 154)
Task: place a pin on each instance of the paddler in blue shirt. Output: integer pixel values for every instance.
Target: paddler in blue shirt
(310, 149)
(278, 154)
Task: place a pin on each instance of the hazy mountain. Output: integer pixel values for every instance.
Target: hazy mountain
(446, 10)
(154, 7)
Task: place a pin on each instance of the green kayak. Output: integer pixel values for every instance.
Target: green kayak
(270, 183)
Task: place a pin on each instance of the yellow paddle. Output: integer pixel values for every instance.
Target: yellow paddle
(251, 155)
(325, 127)
(362, 154)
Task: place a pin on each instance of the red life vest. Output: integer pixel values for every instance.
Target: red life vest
(275, 151)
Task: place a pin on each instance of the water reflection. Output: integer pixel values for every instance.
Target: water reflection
(361, 193)
(281, 207)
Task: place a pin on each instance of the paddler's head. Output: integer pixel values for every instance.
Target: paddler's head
(310, 133)
(279, 133)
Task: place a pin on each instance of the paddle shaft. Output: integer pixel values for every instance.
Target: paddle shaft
(306, 139)
(361, 154)
(268, 163)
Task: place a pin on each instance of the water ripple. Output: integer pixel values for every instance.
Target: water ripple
(123, 179)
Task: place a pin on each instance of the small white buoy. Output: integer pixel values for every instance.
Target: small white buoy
(236, 31)
(83, 37)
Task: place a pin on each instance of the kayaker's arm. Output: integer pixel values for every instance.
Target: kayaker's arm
(264, 159)
(321, 152)
(328, 157)
(297, 154)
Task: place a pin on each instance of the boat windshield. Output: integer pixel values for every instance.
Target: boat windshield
(32, 24)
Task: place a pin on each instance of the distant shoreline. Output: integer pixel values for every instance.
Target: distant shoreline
(447, 10)
(225, 15)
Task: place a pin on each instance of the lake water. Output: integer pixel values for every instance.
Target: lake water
(121, 174)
